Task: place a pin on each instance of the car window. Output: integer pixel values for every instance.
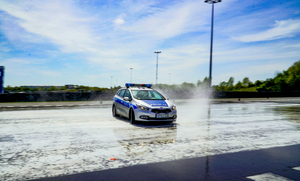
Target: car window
(121, 93)
(127, 94)
(118, 93)
(147, 95)
(156, 95)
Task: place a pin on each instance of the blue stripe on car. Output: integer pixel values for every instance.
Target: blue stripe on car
(124, 103)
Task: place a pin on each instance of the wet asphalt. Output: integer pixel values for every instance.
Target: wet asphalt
(228, 139)
(281, 163)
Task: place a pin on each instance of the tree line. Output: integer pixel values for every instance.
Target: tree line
(77, 88)
(288, 80)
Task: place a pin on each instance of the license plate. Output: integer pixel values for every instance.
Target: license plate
(162, 115)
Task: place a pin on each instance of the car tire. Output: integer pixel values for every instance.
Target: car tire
(131, 117)
(114, 111)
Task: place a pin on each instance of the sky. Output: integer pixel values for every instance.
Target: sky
(95, 43)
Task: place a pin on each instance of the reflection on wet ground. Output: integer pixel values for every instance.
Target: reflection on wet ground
(153, 136)
(290, 113)
(44, 143)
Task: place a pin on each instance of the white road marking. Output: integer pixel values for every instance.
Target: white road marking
(297, 168)
(268, 176)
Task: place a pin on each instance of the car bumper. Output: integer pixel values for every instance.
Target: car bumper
(141, 115)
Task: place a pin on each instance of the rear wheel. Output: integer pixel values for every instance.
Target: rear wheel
(114, 111)
(131, 116)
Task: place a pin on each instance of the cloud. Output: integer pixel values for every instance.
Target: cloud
(281, 29)
(55, 21)
(268, 51)
(88, 40)
(119, 21)
(184, 57)
(173, 21)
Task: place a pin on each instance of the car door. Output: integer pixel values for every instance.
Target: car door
(119, 102)
(126, 104)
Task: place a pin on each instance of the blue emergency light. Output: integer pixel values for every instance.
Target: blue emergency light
(138, 85)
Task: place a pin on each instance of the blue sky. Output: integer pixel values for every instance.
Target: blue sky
(88, 42)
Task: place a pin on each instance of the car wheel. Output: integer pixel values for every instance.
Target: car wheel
(132, 117)
(114, 111)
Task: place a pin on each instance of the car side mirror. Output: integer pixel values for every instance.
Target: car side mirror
(126, 99)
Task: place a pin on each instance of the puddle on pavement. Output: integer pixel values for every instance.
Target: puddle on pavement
(292, 113)
(6, 138)
(143, 140)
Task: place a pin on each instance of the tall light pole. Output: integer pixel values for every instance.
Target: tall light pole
(131, 75)
(157, 65)
(211, 35)
(111, 81)
(2, 68)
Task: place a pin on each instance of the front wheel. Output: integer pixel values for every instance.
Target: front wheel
(131, 117)
(114, 111)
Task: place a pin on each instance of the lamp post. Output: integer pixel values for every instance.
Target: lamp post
(111, 81)
(131, 75)
(157, 65)
(211, 35)
(2, 68)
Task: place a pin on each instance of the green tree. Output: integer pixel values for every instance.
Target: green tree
(257, 83)
(293, 76)
(246, 82)
(53, 88)
(186, 85)
(230, 84)
(222, 86)
(226, 86)
(239, 85)
(288, 80)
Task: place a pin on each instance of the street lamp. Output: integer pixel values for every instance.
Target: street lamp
(157, 65)
(131, 75)
(211, 35)
(111, 80)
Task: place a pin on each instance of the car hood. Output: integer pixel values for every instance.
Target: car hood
(154, 103)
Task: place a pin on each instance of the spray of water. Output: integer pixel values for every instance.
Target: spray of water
(195, 102)
(197, 107)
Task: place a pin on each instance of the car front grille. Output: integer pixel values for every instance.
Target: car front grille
(157, 111)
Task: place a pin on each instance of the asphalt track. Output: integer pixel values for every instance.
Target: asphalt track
(226, 139)
(281, 163)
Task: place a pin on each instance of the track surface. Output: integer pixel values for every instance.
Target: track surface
(57, 140)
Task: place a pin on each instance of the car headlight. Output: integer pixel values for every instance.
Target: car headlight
(173, 107)
(143, 107)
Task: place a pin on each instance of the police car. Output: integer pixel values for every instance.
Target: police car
(140, 102)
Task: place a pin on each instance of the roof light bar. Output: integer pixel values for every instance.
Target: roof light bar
(138, 85)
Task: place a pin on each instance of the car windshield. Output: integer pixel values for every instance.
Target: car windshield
(147, 95)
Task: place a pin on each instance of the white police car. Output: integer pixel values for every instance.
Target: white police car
(139, 102)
